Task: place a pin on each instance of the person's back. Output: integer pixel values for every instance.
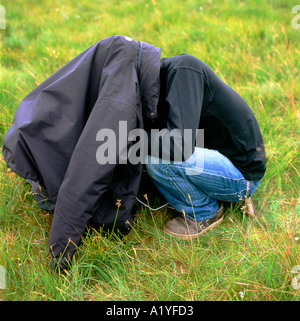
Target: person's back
(193, 97)
(228, 122)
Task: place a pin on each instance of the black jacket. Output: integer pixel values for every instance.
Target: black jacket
(193, 97)
(52, 140)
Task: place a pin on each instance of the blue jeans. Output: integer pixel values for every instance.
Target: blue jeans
(196, 187)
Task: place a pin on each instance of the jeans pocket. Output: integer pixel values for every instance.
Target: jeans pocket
(233, 197)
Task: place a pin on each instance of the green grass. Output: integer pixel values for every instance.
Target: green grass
(252, 46)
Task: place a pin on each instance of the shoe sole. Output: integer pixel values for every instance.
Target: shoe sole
(193, 236)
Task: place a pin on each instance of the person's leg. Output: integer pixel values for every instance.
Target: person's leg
(197, 189)
(171, 180)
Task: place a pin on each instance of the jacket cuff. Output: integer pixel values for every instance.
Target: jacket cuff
(60, 264)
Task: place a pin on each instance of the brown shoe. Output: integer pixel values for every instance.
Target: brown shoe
(248, 208)
(183, 227)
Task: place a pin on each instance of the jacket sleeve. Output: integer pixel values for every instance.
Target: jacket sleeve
(184, 96)
(86, 181)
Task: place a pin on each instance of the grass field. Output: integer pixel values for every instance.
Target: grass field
(252, 46)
